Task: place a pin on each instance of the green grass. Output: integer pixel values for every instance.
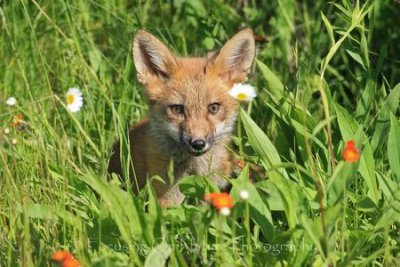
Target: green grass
(325, 73)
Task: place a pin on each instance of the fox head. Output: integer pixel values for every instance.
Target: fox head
(188, 98)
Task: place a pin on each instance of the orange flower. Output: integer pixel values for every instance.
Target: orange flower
(71, 263)
(210, 196)
(220, 200)
(17, 120)
(351, 153)
(65, 259)
(61, 255)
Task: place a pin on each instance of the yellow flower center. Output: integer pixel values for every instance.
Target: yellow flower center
(241, 96)
(70, 99)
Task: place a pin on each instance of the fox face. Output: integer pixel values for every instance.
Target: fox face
(195, 112)
(189, 104)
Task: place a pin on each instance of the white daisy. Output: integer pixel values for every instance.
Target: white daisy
(225, 211)
(11, 101)
(74, 99)
(244, 194)
(243, 92)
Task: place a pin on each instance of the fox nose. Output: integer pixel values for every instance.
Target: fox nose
(198, 144)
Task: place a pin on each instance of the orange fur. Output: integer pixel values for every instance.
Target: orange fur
(191, 116)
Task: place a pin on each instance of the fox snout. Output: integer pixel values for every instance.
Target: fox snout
(197, 146)
(197, 138)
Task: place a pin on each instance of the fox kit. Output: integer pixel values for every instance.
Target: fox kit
(191, 115)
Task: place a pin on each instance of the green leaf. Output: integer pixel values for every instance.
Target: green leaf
(364, 50)
(95, 58)
(284, 106)
(314, 227)
(209, 43)
(334, 48)
(351, 130)
(347, 124)
(313, 230)
(338, 182)
(394, 147)
(158, 255)
(303, 124)
(270, 159)
(274, 199)
(288, 191)
(259, 211)
(274, 87)
(388, 187)
(198, 220)
(261, 144)
(366, 205)
(154, 216)
(364, 103)
(329, 28)
(356, 57)
(389, 217)
(121, 205)
(196, 186)
(37, 211)
(390, 105)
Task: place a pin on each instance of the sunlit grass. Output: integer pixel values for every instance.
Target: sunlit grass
(326, 73)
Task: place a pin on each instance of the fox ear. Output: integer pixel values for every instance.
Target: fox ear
(152, 57)
(234, 59)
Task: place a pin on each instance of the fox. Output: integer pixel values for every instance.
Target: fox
(191, 115)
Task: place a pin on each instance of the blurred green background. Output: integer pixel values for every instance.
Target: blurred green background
(326, 71)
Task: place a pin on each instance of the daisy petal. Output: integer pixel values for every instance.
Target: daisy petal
(74, 99)
(11, 101)
(243, 92)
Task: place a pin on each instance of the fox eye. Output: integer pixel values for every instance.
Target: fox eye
(177, 109)
(213, 108)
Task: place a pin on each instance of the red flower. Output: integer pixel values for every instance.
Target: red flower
(351, 153)
(220, 200)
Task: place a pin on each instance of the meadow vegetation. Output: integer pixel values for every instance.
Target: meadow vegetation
(326, 73)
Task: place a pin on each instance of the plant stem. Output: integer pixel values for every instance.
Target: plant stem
(248, 235)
